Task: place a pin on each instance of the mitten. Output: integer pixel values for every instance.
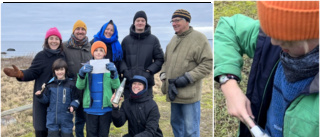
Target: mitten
(113, 70)
(181, 81)
(172, 90)
(15, 72)
(85, 69)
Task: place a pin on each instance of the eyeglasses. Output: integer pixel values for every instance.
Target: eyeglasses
(176, 20)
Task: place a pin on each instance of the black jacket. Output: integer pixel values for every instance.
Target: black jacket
(40, 71)
(141, 52)
(142, 114)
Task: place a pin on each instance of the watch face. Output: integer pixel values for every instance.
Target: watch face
(223, 79)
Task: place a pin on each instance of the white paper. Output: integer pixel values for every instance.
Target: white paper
(99, 66)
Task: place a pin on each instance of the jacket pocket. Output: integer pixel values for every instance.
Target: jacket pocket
(187, 92)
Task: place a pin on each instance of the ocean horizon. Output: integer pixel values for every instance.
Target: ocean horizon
(31, 48)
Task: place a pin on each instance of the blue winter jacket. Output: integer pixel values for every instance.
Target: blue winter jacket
(60, 94)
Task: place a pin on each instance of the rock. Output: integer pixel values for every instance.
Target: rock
(6, 120)
(11, 49)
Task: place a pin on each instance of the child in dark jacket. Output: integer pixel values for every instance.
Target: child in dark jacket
(97, 93)
(60, 93)
(140, 110)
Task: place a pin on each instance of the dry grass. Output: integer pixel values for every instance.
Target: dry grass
(15, 94)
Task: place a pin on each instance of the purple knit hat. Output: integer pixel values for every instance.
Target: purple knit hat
(53, 31)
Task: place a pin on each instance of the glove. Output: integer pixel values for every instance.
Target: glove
(181, 81)
(15, 72)
(85, 69)
(172, 91)
(113, 70)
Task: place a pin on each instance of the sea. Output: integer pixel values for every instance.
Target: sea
(31, 48)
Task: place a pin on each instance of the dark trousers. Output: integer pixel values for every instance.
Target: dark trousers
(98, 125)
(126, 92)
(80, 120)
(41, 133)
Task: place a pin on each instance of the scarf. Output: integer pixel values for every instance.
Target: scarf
(56, 51)
(75, 43)
(296, 69)
(115, 44)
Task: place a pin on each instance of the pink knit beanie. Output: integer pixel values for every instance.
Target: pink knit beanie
(53, 31)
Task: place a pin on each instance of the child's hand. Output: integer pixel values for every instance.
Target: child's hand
(114, 105)
(112, 68)
(38, 93)
(85, 69)
(71, 109)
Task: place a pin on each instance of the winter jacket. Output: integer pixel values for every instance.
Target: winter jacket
(141, 52)
(108, 85)
(75, 56)
(60, 95)
(303, 115)
(40, 71)
(142, 114)
(240, 35)
(187, 53)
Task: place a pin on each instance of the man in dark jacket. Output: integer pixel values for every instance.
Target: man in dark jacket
(140, 110)
(78, 50)
(142, 53)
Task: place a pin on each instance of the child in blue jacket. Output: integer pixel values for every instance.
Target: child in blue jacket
(62, 97)
(97, 93)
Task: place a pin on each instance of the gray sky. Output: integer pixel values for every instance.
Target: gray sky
(30, 21)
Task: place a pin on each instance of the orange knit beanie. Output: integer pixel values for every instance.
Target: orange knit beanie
(79, 23)
(98, 44)
(289, 20)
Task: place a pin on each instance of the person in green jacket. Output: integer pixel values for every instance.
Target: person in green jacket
(97, 93)
(188, 59)
(279, 99)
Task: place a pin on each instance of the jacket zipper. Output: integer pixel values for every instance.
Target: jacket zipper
(57, 103)
(102, 91)
(64, 96)
(264, 91)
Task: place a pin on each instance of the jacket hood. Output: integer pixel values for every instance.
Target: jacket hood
(146, 33)
(142, 95)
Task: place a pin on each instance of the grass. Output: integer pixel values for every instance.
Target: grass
(224, 124)
(15, 94)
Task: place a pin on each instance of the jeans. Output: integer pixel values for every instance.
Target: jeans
(80, 120)
(185, 119)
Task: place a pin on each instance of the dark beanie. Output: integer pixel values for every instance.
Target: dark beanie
(182, 13)
(141, 14)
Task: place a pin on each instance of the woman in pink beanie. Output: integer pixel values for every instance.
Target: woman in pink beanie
(40, 71)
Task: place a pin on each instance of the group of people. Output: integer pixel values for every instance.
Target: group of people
(64, 69)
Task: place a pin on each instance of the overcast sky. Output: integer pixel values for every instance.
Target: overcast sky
(30, 21)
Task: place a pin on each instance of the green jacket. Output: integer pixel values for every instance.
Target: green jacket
(302, 117)
(189, 53)
(234, 37)
(108, 85)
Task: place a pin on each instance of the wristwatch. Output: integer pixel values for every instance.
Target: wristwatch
(225, 77)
